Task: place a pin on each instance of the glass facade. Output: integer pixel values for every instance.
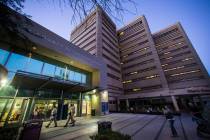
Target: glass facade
(30, 64)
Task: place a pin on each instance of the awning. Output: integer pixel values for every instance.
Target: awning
(26, 80)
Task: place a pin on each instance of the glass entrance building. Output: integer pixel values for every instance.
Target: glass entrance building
(44, 70)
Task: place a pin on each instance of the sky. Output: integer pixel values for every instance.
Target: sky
(194, 15)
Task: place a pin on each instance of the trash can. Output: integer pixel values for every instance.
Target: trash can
(104, 126)
(31, 130)
(93, 112)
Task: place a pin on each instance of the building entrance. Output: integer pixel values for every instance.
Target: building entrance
(44, 108)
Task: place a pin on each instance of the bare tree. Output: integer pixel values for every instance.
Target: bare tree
(81, 8)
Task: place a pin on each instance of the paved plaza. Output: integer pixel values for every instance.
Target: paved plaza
(139, 126)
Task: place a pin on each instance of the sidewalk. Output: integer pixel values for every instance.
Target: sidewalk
(149, 127)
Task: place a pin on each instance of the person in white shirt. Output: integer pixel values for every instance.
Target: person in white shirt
(71, 116)
(53, 117)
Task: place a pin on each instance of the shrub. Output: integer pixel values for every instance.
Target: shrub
(110, 135)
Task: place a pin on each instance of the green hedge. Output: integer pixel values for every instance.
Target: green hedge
(110, 135)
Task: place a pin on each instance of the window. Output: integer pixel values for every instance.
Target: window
(60, 72)
(34, 66)
(77, 77)
(17, 62)
(49, 69)
(83, 78)
(71, 75)
(3, 56)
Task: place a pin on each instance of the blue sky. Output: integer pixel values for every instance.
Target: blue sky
(194, 16)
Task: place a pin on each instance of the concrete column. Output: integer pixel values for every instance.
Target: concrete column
(118, 105)
(127, 104)
(175, 103)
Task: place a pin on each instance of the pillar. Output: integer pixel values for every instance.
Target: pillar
(127, 104)
(80, 105)
(118, 105)
(175, 104)
(60, 106)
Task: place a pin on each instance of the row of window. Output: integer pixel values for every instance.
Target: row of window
(88, 44)
(86, 40)
(91, 50)
(177, 61)
(112, 31)
(108, 58)
(139, 64)
(179, 44)
(184, 73)
(113, 48)
(114, 87)
(137, 51)
(139, 89)
(137, 57)
(181, 67)
(84, 33)
(133, 36)
(177, 55)
(14, 62)
(109, 34)
(166, 33)
(113, 76)
(108, 21)
(140, 78)
(112, 68)
(110, 40)
(132, 29)
(89, 21)
(137, 45)
(114, 37)
(167, 38)
(172, 51)
(109, 52)
(186, 79)
(140, 70)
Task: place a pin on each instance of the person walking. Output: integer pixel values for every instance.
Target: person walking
(53, 117)
(35, 113)
(71, 116)
(169, 116)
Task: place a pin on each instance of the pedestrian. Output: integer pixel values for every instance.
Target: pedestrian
(169, 116)
(53, 116)
(71, 116)
(35, 113)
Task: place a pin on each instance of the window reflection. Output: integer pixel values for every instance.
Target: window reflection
(49, 69)
(83, 79)
(34, 66)
(19, 62)
(71, 75)
(77, 77)
(59, 72)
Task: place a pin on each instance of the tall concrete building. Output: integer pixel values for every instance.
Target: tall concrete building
(97, 35)
(144, 69)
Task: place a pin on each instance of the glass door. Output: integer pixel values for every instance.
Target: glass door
(5, 105)
(12, 113)
(86, 107)
(17, 111)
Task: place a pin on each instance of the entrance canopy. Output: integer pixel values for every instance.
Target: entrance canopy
(26, 80)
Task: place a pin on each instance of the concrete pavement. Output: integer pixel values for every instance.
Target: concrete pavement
(148, 127)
